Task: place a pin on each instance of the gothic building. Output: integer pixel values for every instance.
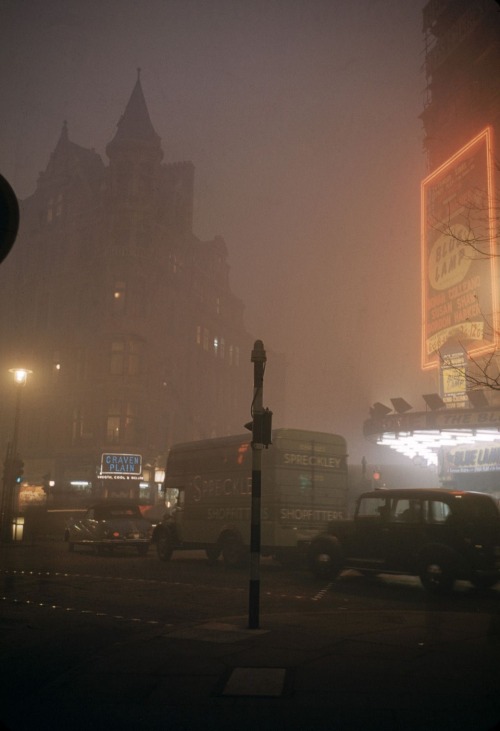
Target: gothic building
(125, 318)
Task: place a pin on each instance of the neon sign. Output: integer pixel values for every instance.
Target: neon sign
(458, 266)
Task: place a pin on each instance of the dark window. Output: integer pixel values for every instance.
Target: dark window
(125, 357)
(117, 357)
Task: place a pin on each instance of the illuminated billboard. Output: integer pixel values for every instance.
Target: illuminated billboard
(459, 299)
(121, 464)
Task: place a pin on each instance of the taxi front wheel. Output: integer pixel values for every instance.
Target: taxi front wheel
(437, 570)
(325, 558)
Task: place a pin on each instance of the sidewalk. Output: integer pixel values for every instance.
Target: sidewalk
(425, 671)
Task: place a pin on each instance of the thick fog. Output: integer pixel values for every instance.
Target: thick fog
(301, 118)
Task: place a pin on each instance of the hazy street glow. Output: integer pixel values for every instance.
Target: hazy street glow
(301, 119)
(20, 375)
(427, 445)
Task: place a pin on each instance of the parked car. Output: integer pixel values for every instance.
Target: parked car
(107, 525)
(153, 513)
(436, 534)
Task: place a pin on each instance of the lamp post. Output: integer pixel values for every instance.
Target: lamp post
(12, 463)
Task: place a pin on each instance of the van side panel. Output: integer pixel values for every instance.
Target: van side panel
(309, 476)
(304, 484)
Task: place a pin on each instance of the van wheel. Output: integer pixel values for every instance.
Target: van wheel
(233, 552)
(164, 545)
(436, 571)
(325, 558)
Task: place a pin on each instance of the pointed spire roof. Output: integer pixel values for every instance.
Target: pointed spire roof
(64, 137)
(135, 124)
(68, 157)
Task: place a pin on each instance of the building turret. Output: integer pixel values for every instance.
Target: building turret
(70, 161)
(135, 135)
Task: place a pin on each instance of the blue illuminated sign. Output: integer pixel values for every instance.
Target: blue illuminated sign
(121, 464)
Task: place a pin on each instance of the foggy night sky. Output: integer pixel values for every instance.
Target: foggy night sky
(301, 119)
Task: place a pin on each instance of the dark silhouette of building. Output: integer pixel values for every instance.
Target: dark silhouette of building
(462, 68)
(126, 319)
(459, 217)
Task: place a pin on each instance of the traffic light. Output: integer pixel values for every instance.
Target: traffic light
(376, 479)
(261, 427)
(17, 470)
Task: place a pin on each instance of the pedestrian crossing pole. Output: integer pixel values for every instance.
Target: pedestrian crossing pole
(261, 437)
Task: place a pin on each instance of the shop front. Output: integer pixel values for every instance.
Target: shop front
(462, 444)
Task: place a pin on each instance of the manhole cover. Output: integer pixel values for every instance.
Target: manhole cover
(255, 682)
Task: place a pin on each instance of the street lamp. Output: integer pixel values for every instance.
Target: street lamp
(12, 464)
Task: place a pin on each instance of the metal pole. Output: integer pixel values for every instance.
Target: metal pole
(7, 477)
(8, 493)
(258, 359)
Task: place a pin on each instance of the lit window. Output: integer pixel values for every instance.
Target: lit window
(121, 425)
(113, 423)
(119, 297)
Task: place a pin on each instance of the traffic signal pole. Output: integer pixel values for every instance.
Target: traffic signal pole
(259, 439)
